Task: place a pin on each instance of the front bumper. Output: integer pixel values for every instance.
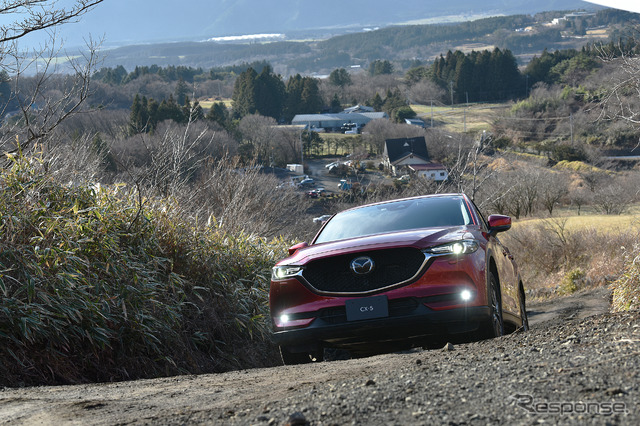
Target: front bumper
(422, 324)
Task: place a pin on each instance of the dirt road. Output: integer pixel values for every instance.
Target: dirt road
(578, 365)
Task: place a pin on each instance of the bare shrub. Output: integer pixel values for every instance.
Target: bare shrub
(617, 194)
(243, 199)
(553, 188)
(626, 289)
(424, 92)
(547, 251)
(260, 132)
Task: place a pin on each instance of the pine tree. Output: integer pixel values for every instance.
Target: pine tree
(244, 94)
(5, 91)
(219, 114)
(463, 78)
(169, 110)
(311, 99)
(139, 116)
(292, 105)
(182, 90)
(377, 102)
(198, 112)
(269, 93)
(340, 77)
(335, 106)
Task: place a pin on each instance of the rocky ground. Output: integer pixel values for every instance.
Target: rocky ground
(578, 365)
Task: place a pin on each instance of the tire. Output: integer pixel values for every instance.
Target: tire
(523, 311)
(495, 327)
(294, 358)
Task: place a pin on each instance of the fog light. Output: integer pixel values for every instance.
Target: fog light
(284, 319)
(465, 295)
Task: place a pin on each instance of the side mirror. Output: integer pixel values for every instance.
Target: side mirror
(499, 223)
(297, 247)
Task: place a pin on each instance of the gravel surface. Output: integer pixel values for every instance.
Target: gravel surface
(577, 365)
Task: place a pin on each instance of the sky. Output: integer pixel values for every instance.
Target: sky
(123, 22)
(628, 5)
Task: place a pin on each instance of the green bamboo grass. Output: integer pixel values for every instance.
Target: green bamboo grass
(96, 287)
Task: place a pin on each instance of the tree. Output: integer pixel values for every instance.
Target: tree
(553, 187)
(335, 106)
(139, 116)
(340, 77)
(169, 110)
(376, 102)
(311, 99)
(218, 113)
(379, 67)
(402, 113)
(182, 92)
(244, 94)
(269, 93)
(32, 16)
(5, 92)
(302, 96)
(622, 99)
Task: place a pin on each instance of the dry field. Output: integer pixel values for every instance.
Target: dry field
(460, 118)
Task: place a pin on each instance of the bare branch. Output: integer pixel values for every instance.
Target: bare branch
(38, 15)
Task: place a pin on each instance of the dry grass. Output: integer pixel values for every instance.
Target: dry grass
(607, 224)
(207, 103)
(97, 287)
(626, 289)
(563, 254)
(478, 117)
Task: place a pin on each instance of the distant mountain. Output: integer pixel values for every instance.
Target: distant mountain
(124, 22)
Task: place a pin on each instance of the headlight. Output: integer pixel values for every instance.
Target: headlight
(458, 247)
(282, 272)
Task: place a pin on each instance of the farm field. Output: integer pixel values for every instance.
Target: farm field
(460, 118)
(207, 103)
(588, 219)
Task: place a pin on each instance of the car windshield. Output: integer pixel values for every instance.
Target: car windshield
(396, 216)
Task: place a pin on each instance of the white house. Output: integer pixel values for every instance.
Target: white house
(434, 171)
(412, 154)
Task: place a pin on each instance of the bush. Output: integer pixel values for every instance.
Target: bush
(551, 256)
(98, 287)
(626, 289)
(572, 281)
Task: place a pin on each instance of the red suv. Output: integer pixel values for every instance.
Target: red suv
(397, 274)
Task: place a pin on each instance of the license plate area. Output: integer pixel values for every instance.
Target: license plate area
(367, 308)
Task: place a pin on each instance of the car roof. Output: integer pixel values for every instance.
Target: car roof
(419, 197)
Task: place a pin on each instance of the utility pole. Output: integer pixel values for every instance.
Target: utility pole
(571, 125)
(451, 90)
(465, 112)
(301, 147)
(465, 120)
(432, 113)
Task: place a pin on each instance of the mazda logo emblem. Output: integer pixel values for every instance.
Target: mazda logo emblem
(362, 265)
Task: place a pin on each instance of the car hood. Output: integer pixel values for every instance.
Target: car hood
(420, 239)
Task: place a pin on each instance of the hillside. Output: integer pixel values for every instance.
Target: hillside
(202, 19)
(406, 45)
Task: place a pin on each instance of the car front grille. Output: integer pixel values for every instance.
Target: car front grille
(333, 275)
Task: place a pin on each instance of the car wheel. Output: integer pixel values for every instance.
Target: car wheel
(523, 312)
(293, 358)
(495, 327)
